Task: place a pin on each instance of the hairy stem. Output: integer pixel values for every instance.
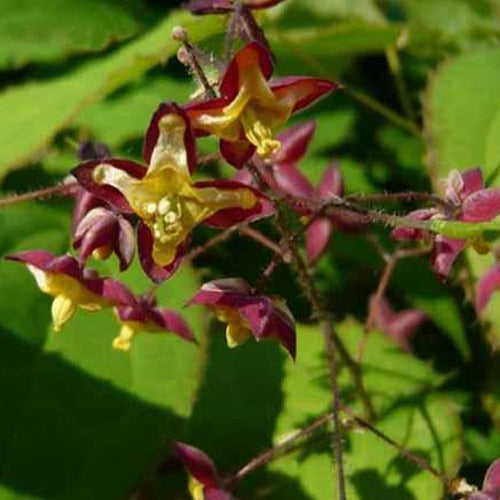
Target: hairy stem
(59, 189)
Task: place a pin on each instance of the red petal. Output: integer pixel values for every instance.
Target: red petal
(331, 183)
(175, 323)
(290, 180)
(125, 243)
(226, 291)
(444, 253)
(153, 133)
(483, 205)
(37, 258)
(301, 90)
(488, 284)
(199, 464)
(317, 238)
(473, 181)
(145, 248)
(83, 174)
(294, 142)
(250, 55)
(236, 153)
(491, 484)
(410, 233)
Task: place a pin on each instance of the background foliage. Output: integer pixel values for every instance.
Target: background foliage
(79, 420)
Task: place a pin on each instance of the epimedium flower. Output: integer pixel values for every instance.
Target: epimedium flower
(164, 196)
(70, 285)
(398, 326)
(143, 314)
(102, 232)
(470, 202)
(248, 313)
(97, 229)
(250, 107)
(204, 481)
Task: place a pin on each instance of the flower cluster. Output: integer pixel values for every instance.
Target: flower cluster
(155, 205)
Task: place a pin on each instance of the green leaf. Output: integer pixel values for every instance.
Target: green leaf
(339, 39)
(416, 282)
(466, 86)
(409, 411)
(34, 112)
(110, 119)
(48, 31)
(81, 420)
(432, 28)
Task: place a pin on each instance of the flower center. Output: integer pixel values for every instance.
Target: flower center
(164, 218)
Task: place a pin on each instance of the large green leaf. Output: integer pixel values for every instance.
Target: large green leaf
(79, 419)
(324, 44)
(409, 411)
(432, 29)
(110, 120)
(34, 31)
(462, 115)
(32, 113)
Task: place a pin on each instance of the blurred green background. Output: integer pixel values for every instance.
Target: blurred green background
(79, 420)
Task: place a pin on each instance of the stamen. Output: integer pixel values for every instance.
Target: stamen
(163, 206)
(259, 134)
(62, 310)
(150, 208)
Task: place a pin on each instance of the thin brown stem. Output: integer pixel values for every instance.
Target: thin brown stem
(188, 56)
(262, 239)
(337, 447)
(59, 189)
(277, 451)
(218, 238)
(409, 455)
(404, 196)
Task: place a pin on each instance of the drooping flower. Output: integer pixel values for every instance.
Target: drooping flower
(97, 229)
(398, 326)
(204, 481)
(102, 232)
(164, 196)
(247, 313)
(486, 286)
(143, 314)
(70, 285)
(491, 484)
(471, 202)
(250, 107)
(201, 7)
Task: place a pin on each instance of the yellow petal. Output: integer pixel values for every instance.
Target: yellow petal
(63, 309)
(123, 341)
(170, 150)
(236, 334)
(196, 488)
